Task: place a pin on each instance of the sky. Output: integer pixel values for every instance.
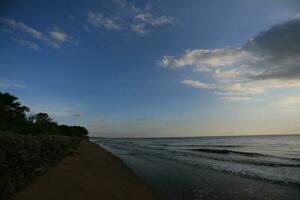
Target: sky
(156, 68)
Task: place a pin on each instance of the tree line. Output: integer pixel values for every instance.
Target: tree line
(14, 117)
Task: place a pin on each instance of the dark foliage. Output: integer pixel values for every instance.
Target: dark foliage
(13, 117)
(12, 113)
(43, 143)
(25, 157)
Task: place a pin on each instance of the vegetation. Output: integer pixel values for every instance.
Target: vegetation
(14, 117)
(30, 144)
(25, 157)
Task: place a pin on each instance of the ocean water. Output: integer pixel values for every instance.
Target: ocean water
(273, 159)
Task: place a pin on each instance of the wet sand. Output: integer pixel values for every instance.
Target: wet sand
(182, 182)
(92, 173)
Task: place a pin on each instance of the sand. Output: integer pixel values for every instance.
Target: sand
(92, 173)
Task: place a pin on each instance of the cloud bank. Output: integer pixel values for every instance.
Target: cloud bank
(270, 60)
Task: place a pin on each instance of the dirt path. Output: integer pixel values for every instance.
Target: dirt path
(92, 174)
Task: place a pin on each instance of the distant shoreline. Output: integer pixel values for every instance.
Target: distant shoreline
(92, 173)
(200, 136)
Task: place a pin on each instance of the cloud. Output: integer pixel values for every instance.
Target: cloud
(270, 60)
(278, 50)
(236, 98)
(154, 20)
(243, 89)
(127, 17)
(205, 59)
(232, 88)
(77, 114)
(199, 84)
(4, 83)
(57, 110)
(121, 3)
(139, 28)
(62, 37)
(58, 37)
(98, 20)
(27, 43)
(226, 73)
(71, 17)
(29, 30)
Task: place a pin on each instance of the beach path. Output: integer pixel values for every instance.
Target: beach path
(92, 173)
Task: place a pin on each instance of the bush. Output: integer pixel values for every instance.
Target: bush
(23, 158)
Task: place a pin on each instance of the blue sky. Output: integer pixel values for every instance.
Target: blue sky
(155, 68)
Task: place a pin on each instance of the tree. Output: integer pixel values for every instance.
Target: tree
(13, 117)
(73, 130)
(42, 118)
(12, 113)
(43, 124)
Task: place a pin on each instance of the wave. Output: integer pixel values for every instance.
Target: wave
(184, 145)
(296, 159)
(225, 146)
(226, 151)
(251, 155)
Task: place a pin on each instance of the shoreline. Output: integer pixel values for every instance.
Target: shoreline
(92, 173)
(182, 180)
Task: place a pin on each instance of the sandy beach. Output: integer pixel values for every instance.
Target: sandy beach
(92, 173)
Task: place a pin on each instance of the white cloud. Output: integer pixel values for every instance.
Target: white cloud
(27, 43)
(4, 83)
(62, 37)
(154, 20)
(58, 36)
(243, 89)
(236, 98)
(138, 28)
(199, 84)
(222, 74)
(31, 31)
(216, 60)
(231, 88)
(98, 20)
(205, 59)
(127, 17)
(268, 61)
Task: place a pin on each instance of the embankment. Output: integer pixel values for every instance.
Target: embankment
(24, 157)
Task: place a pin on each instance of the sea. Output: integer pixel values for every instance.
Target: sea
(196, 165)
